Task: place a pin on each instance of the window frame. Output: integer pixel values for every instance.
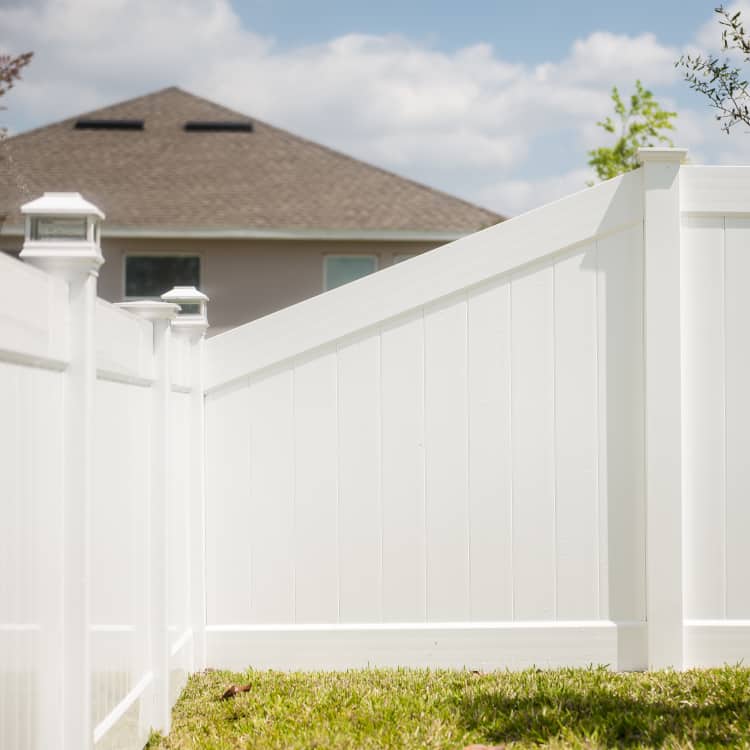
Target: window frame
(146, 254)
(372, 256)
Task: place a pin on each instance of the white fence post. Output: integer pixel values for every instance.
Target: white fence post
(663, 423)
(62, 238)
(192, 322)
(160, 314)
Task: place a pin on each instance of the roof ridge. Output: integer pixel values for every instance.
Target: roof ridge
(203, 99)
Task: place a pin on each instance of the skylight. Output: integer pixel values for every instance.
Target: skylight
(94, 124)
(219, 126)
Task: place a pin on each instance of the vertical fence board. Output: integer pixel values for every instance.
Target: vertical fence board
(576, 435)
(703, 416)
(272, 472)
(28, 647)
(490, 485)
(14, 698)
(47, 550)
(533, 446)
(138, 437)
(359, 480)
(110, 536)
(737, 418)
(178, 540)
(228, 513)
(446, 463)
(403, 472)
(621, 409)
(316, 490)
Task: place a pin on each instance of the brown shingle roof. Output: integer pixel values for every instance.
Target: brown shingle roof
(164, 178)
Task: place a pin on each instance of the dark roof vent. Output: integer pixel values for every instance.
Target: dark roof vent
(87, 124)
(218, 126)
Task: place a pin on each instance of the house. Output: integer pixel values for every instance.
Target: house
(195, 193)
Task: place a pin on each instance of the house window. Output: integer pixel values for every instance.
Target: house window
(152, 275)
(341, 269)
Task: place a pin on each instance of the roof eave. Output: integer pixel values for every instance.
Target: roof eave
(253, 233)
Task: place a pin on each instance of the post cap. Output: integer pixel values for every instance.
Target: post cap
(61, 204)
(151, 309)
(650, 154)
(62, 235)
(192, 303)
(185, 294)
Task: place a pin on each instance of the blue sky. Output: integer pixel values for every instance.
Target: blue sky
(492, 101)
(527, 33)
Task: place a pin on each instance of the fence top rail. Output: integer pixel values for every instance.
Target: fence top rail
(449, 269)
(715, 190)
(33, 316)
(124, 349)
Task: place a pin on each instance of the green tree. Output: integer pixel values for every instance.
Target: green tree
(640, 122)
(723, 84)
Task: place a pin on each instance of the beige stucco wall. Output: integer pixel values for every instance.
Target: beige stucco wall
(245, 279)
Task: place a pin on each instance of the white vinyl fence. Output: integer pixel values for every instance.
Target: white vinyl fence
(101, 574)
(529, 446)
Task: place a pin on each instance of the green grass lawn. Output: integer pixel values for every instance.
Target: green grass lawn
(407, 708)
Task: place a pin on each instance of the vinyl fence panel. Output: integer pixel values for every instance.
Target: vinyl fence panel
(33, 355)
(77, 562)
(444, 435)
(716, 434)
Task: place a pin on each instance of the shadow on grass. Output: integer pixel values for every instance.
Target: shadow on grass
(606, 718)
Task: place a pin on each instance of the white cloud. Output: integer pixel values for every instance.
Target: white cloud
(517, 196)
(608, 59)
(467, 121)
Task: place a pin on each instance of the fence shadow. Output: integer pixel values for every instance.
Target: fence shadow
(603, 716)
